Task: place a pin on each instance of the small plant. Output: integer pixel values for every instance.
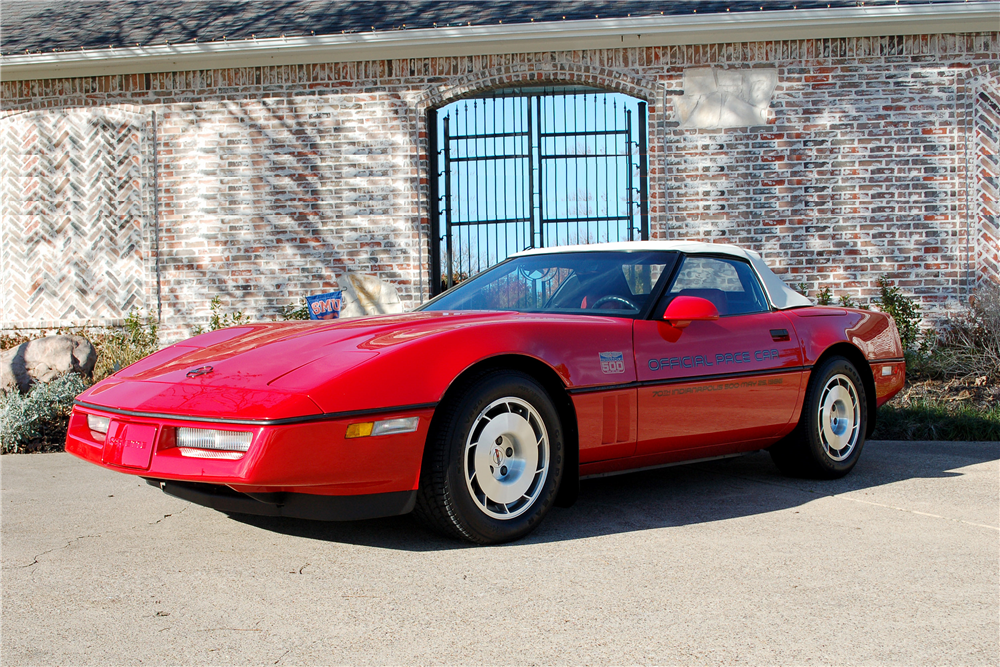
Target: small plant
(300, 312)
(219, 320)
(903, 310)
(9, 340)
(123, 347)
(38, 419)
(825, 297)
(847, 302)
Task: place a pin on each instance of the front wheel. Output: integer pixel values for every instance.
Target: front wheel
(494, 460)
(831, 432)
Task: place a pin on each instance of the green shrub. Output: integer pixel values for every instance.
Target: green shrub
(119, 348)
(847, 302)
(825, 297)
(904, 311)
(31, 421)
(300, 312)
(9, 340)
(219, 320)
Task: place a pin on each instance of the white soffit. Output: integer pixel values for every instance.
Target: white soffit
(969, 17)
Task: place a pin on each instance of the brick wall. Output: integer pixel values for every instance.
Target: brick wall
(273, 180)
(862, 171)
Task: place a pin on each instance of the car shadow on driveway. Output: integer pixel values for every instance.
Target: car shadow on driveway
(675, 496)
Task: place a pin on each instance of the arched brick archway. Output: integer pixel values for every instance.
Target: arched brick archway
(514, 80)
(538, 74)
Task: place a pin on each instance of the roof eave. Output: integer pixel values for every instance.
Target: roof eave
(969, 17)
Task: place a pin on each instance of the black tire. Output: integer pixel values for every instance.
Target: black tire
(506, 406)
(830, 435)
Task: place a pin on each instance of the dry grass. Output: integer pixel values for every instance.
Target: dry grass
(937, 410)
(969, 348)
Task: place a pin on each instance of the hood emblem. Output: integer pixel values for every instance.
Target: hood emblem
(201, 370)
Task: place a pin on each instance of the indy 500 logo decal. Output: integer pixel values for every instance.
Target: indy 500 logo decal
(612, 362)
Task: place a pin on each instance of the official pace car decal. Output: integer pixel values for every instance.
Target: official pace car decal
(612, 363)
(666, 363)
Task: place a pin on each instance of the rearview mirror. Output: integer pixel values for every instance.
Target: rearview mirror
(686, 309)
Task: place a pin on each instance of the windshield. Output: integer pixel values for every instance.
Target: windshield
(596, 283)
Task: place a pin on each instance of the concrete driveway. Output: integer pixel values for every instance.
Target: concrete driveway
(724, 562)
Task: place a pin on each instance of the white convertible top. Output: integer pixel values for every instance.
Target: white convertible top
(782, 297)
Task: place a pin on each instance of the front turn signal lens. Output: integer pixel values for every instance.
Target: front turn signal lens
(361, 430)
(383, 427)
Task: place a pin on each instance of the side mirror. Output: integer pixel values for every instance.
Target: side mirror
(686, 309)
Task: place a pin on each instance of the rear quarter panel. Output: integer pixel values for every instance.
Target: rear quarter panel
(871, 333)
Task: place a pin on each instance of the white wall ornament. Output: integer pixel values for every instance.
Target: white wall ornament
(718, 98)
(367, 295)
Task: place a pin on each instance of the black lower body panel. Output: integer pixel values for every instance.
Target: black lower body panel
(293, 505)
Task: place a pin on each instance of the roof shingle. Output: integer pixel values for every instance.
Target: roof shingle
(32, 26)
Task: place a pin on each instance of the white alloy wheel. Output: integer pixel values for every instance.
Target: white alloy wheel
(506, 458)
(839, 417)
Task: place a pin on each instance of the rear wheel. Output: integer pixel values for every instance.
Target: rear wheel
(830, 434)
(494, 460)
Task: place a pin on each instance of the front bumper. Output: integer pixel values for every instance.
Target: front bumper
(287, 466)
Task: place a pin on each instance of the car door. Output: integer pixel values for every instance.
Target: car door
(607, 410)
(715, 384)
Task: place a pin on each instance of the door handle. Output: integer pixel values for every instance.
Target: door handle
(780, 334)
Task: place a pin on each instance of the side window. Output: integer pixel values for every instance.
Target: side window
(728, 283)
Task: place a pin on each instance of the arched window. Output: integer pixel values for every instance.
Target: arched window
(533, 167)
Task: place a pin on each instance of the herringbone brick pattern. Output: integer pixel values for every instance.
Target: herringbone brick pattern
(71, 198)
(988, 181)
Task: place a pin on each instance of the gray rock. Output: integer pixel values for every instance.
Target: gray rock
(44, 359)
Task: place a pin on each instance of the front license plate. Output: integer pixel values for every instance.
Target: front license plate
(129, 445)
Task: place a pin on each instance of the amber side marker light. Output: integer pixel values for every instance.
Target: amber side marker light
(384, 427)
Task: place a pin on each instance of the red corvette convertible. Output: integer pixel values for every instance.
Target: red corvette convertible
(488, 404)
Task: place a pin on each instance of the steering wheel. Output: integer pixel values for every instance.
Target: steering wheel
(616, 298)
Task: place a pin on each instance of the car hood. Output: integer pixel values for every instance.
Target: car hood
(234, 372)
